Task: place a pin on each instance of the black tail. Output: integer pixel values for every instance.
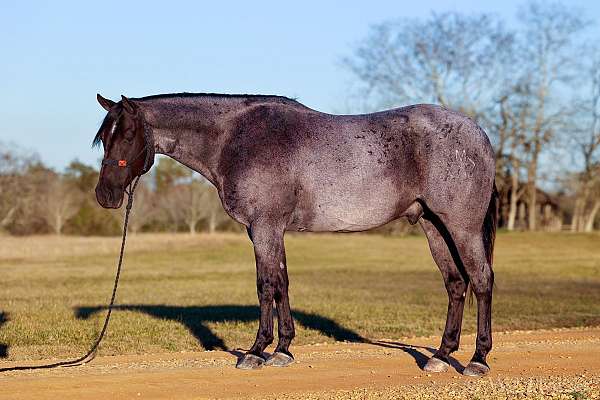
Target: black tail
(489, 226)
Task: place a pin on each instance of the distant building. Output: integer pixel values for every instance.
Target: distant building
(549, 216)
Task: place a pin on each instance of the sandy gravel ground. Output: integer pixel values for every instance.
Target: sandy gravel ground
(563, 364)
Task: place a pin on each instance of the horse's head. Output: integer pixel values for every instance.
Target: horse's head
(128, 150)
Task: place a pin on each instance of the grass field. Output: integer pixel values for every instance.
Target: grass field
(181, 292)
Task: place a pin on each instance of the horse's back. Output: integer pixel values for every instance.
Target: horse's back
(360, 172)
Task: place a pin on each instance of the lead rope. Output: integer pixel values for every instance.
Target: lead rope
(91, 354)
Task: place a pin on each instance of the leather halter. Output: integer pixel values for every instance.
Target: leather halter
(148, 146)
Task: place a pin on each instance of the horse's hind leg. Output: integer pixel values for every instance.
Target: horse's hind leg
(473, 254)
(456, 285)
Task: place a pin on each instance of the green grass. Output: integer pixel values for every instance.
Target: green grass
(369, 285)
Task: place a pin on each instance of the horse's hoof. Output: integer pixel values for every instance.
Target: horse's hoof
(279, 359)
(436, 365)
(250, 361)
(476, 369)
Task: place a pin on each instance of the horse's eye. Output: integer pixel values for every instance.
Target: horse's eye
(128, 136)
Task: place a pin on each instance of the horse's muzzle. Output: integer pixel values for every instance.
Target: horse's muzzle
(109, 197)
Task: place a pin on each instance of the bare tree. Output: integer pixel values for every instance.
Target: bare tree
(168, 212)
(587, 143)
(513, 110)
(546, 51)
(145, 209)
(16, 190)
(190, 205)
(450, 59)
(198, 201)
(58, 201)
(10, 181)
(213, 211)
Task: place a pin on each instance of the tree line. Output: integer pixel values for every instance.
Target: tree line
(534, 87)
(36, 199)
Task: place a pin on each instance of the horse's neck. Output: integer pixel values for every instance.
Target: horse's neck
(190, 148)
(192, 133)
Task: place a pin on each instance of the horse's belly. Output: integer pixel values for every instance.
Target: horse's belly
(328, 208)
(348, 219)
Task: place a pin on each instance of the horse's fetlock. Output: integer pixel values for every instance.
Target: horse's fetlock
(288, 332)
(267, 340)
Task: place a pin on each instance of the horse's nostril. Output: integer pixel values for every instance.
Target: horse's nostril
(102, 194)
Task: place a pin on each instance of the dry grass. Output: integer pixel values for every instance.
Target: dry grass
(184, 292)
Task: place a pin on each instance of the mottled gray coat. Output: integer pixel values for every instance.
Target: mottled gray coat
(279, 166)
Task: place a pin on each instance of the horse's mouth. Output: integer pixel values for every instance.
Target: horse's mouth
(108, 198)
(112, 205)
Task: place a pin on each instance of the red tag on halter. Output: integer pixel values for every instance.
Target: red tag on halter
(122, 163)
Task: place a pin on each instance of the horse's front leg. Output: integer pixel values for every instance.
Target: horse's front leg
(267, 237)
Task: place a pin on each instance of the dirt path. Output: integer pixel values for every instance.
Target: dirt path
(557, 363)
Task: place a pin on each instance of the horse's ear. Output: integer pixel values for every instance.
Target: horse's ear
(105, 103)
(128, 105)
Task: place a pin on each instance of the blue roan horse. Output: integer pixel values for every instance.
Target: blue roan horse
(280, 166)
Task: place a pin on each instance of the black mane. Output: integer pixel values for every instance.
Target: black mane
(108, 119)
(200, 95)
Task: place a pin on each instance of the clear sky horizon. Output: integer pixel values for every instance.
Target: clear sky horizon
(58, 55)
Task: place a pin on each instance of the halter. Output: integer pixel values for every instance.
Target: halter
(148, 146)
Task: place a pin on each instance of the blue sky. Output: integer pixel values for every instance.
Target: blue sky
(57, 55)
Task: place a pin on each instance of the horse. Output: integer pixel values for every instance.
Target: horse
(280, 166)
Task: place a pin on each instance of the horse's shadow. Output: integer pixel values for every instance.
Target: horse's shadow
(417, 353)
(195, 319)
(3, 346)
